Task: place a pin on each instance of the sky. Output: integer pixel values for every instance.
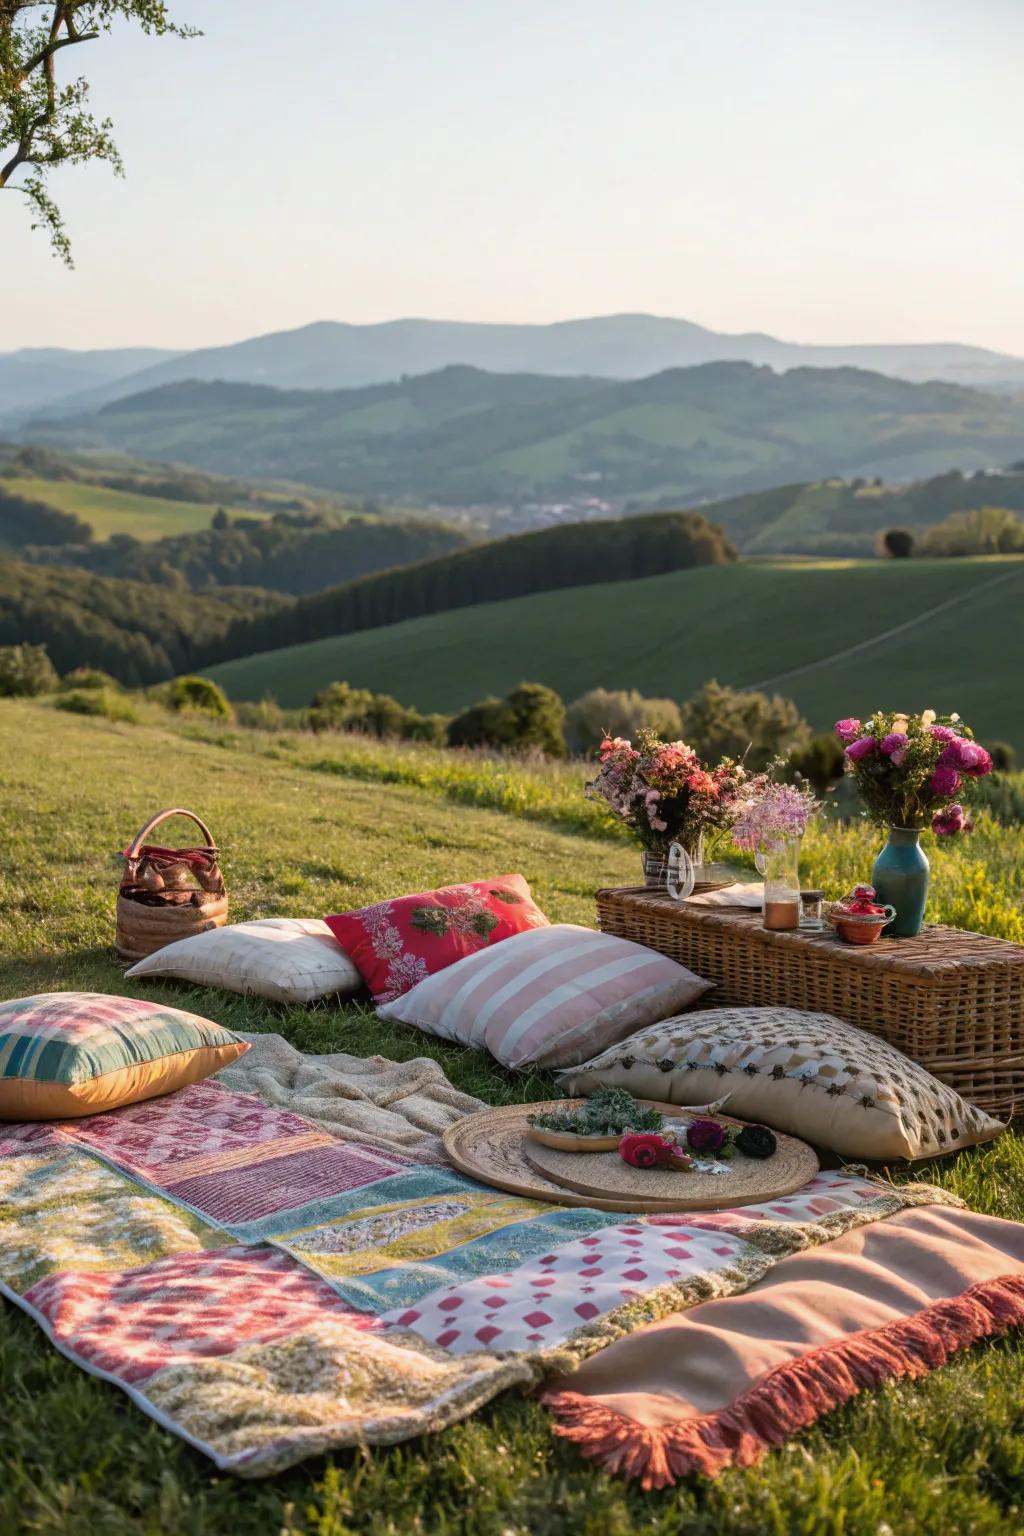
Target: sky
(823, 170)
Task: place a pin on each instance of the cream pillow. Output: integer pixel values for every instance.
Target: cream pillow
(290, 959)
(549, 996)
(808, 1074)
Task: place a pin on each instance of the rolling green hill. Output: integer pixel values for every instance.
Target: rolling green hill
(462, 436)
(748, 625)
(111, 512)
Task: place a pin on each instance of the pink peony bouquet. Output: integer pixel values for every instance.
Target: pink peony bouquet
(914, 770)
(664, 793)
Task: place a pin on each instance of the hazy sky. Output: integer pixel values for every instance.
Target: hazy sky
(826, 170)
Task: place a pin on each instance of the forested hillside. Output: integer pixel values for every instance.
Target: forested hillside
(292, 553)
(571, 556)
(461, 436)
(139, 633)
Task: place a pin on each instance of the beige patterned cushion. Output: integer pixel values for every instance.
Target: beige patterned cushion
(805, 1073)
(290, 959)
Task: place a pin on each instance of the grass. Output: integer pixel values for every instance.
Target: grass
(746, 624)
(109, 512)
(302, 838)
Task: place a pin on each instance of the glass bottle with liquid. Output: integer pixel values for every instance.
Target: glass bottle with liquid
(779, 863)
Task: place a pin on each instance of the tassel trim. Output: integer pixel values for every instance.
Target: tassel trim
(791, 1396)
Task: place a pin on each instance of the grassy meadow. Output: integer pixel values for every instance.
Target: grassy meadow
(748, 625)
(311, 825)
(108, 511)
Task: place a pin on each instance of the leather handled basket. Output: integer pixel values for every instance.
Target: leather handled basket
(168, 893)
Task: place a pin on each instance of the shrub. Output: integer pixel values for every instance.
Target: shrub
(105, 702)
(531, 716)
(618, 713)
(196, 693)
(820, 762)
(340, 707)
(1004, 757)
(982, 531)
(728, 722)
(26, 671)
(898, 543)
(88, 677)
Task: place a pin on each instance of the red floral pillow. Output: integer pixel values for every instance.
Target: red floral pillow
(396, 944)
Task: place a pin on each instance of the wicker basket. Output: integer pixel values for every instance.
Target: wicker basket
(950, 1000)
(168, 893)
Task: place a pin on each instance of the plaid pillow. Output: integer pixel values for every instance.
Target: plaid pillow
(64, 1054)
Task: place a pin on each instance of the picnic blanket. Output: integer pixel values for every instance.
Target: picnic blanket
(399, 1106)
(267, 1290)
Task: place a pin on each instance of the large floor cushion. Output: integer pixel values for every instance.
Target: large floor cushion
(289, 959)
(551, 996)
(65, 1054)
(397, 944)
(809, 1074)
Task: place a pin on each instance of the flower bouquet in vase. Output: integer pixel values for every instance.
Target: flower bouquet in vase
(911, 771)
(771, 825)
(676, 806)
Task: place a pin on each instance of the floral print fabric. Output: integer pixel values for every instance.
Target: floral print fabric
(397, 944)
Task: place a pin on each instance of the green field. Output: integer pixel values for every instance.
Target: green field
(746, 624)
(307, 829)
(109, 511)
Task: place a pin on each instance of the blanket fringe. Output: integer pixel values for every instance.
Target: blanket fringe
(789, 1397)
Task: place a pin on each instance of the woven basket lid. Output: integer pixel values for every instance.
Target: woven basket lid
(493, 1146)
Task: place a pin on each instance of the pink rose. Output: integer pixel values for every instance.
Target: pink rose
(951, 820)
(848, 730)
(893, 744)
(944, 781)
(862, 747)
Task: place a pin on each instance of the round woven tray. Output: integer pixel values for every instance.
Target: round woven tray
(493, 1146)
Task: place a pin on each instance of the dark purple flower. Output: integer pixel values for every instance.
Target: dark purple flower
(949, 821)
(848, 730)
(756, 1141)
(862, 747)
(705, 1136)
(944, 781)
(894, 745)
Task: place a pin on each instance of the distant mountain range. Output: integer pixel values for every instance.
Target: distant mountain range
(38, 377)
(333, 355)
(464, 437)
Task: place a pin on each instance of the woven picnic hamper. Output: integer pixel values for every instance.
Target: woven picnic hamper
(950, 1000)
(168, 893)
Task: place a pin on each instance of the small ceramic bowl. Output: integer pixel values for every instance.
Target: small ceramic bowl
(859, 927)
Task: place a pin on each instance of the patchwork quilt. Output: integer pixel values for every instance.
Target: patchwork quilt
(268, 1291)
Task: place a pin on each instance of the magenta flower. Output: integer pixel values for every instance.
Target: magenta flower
(974, 760)
(943, 733)
(705, 1135)
(895, 746)
(944, 781)
(848, 730)
(950, 821)
(862, 747)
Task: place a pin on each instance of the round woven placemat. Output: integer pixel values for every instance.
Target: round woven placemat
(493, 1146)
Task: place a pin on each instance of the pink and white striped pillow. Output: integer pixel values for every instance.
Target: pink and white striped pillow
(550, 996)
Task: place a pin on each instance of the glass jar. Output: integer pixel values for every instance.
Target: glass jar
(779, 863)
(812, 911)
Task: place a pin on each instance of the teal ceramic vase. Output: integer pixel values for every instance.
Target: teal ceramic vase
(900, 877)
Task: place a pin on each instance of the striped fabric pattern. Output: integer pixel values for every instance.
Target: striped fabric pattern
(74, 1037)
(549, 995)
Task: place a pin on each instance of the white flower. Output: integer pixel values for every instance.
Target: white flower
(954, 716)
(927, 717)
